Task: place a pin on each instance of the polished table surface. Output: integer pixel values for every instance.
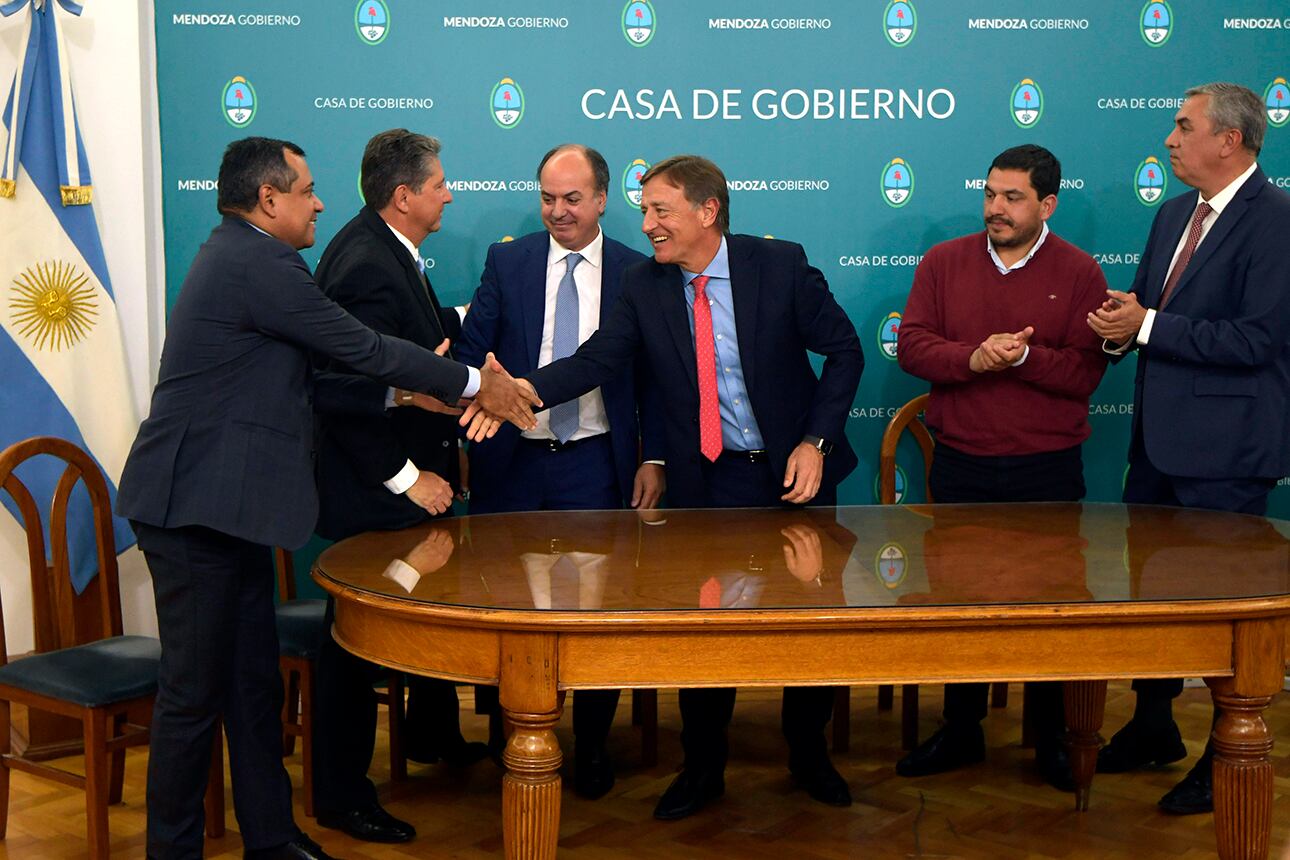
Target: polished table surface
(540, 603)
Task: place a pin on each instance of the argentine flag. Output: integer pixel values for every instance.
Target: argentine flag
(60, 350)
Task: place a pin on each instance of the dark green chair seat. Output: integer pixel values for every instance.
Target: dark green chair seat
(300, 627)
(91, 675)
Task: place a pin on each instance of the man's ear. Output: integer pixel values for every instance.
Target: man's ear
(267, 201)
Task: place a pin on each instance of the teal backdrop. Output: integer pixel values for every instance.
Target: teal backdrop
(861, 130)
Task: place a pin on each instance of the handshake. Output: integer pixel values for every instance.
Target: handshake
(501, 397)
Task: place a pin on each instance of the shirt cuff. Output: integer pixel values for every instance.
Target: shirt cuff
(654, 462)
(1023, 358)
(461, 312)
(1145, 332)
(389, 398)
(472, 383)
(403, 481)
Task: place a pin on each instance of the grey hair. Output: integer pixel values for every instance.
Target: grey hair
(1235, 106)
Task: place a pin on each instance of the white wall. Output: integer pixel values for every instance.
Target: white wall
(112, 56)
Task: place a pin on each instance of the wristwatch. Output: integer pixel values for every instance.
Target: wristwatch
(824, 446)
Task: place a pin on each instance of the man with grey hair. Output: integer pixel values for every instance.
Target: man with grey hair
(1209, 315)
(385, 461)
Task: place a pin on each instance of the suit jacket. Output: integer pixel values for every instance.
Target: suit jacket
(506, 317)
(783, 308)
(228, 441)
(1212, 392)
(361, 444)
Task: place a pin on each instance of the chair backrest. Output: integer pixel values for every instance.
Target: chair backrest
(285, 567)
(61, 618)
(905, 418)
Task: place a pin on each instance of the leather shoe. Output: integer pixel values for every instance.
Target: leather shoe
(300, 848)
(1137, 745)
(593, 772)
(823, 783)
(370, 824)
(1054, 766)
(949, 748)
(692, 790)
(1194, 795)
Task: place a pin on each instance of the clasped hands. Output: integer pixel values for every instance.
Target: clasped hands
(1119, 317)
(501, 397)
(999, 351)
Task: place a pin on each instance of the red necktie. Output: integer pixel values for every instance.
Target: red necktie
(710, 594)
(706, 362)
(1193, 239)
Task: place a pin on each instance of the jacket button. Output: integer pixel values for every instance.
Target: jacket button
(445, 443)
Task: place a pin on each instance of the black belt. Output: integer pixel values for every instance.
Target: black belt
(555, 445)
(758, 456)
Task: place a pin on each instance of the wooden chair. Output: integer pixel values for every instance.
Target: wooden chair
(83, 666)
(300, 629)
(906, 419)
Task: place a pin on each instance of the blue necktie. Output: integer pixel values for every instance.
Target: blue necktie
(564, 417)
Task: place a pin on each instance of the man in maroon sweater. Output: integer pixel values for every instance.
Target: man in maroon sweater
(995, 322)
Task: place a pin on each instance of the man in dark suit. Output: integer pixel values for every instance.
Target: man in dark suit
(1209, 315)
(539, 298)
(382, 465)
(723, 323)
(221, 471)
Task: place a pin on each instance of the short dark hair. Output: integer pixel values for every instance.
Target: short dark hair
(249, 163)
(393, 158)
(699, 179)
(1044, 168)
(599, 168)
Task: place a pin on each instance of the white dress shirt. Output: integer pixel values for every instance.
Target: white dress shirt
(592, 420)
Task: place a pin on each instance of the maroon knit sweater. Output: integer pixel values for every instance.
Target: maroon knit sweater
(959, 299)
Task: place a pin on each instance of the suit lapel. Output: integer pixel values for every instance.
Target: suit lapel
(1232, 213)
(533, 298)
(669, 292)
(1170, 233)
(422, 294)
(745, 289)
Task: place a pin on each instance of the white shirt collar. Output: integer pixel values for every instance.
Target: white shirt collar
(405, 242)
(592, 254)
(1220, 200)
(998, 264)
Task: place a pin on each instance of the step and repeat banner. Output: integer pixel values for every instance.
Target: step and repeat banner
(861, 130)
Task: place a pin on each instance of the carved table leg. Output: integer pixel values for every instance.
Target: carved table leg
(1242, 775)
(1085, 705)
(531, 787)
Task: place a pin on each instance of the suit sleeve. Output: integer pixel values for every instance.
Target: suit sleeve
(1251, 331)
(826, 330)
(1073, 367)
(479, 331)
(287, 304)
(922, 350)
(601, 357)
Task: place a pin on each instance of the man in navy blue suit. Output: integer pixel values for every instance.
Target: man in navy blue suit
(1209, 315)
(723, 324)
(539, 298)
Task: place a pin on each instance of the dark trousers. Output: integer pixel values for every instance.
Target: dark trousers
(737, 480)
(345, 715)
(959, 477)
(219, 657)
(577, 477)
(1147, 485)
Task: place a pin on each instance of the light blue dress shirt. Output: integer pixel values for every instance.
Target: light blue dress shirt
(739, 430)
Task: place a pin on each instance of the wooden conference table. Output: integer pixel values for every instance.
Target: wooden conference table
(542, 603)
